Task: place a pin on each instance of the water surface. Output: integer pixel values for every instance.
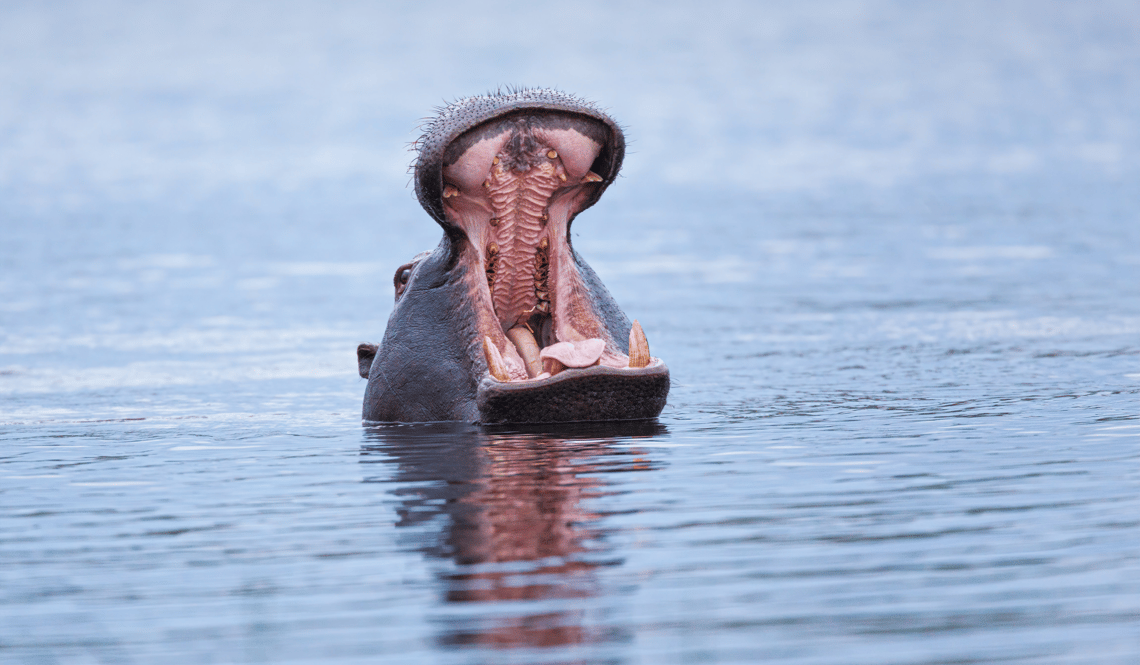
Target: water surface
(890, 251)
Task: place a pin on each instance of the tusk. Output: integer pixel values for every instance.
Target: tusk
(495, 364)
(591, 177)
(524, 341)
(638, 346)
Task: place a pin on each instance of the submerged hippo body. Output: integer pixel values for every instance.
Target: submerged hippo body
(503, 322)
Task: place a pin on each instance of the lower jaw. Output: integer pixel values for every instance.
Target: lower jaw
(595, 393)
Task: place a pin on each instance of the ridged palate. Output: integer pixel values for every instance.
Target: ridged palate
(518, 201)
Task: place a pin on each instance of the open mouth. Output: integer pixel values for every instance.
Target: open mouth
(503, 322)
(512, 186)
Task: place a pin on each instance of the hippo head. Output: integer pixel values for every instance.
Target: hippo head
(503, 322)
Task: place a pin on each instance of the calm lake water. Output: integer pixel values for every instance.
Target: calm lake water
(889, 250)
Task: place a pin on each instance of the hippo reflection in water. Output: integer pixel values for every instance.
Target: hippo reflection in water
(503, 322)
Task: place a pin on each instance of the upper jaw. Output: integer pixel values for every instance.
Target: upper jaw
(447, 129)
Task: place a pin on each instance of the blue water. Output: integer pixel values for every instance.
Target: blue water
(890, 251)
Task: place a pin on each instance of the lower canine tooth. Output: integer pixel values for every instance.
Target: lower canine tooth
(495, 364)
(638, 346)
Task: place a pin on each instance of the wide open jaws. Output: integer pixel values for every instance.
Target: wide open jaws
(513, 186)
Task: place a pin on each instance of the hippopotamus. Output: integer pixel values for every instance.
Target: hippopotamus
(504, 322)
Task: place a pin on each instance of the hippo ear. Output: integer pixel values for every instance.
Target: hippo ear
(364, 355)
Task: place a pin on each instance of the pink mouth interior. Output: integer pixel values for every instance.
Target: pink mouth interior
(513, 191)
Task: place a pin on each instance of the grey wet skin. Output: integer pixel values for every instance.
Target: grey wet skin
(483, 324)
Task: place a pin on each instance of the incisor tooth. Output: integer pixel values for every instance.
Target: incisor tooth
(527, 347)
(638, 346)
(495, 364)
(591, 177)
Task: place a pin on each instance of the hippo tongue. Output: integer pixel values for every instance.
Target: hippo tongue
(575, 354)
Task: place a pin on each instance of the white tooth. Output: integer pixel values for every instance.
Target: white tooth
(495, 364)
(523, 339)
(638, 346)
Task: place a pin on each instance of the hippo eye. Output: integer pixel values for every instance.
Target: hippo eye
(402, 277)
